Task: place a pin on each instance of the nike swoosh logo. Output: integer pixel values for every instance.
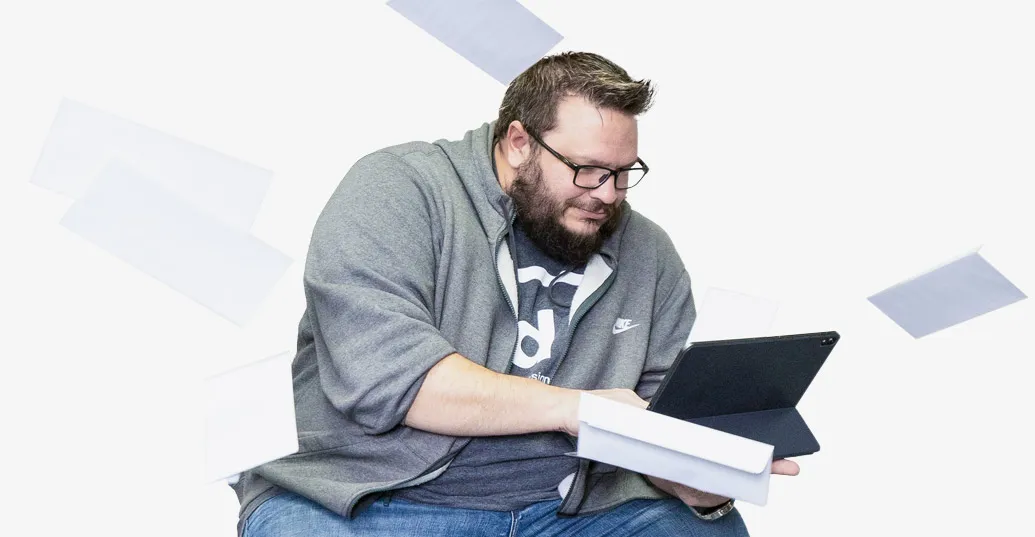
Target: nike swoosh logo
(616, 330)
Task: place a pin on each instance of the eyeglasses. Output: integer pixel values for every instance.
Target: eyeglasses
(595, 176)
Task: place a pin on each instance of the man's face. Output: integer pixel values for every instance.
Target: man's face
(567, 221)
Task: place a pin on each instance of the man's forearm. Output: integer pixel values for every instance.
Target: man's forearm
(461, 398)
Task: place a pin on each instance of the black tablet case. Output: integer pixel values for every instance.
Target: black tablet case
(748, 387)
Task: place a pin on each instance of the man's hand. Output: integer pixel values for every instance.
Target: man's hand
(620, 395)
(690, 496)
(696, 498)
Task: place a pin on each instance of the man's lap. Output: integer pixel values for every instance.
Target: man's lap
(291, 515)
(637, 517)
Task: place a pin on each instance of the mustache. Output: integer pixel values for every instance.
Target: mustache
(594, 206)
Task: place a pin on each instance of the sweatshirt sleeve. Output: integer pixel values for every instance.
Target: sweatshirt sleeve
(369, 285)
(673, 317)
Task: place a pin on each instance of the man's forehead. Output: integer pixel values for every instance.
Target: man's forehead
(593, 135)
(596, 146)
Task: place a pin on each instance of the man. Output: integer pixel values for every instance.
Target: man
(460, 296)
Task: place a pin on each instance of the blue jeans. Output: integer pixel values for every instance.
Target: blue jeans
(290, 515)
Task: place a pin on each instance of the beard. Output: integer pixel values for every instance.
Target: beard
(540, 216)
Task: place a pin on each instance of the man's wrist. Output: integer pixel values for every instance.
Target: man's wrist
(713, 513)
(566, 419)
(704, 513)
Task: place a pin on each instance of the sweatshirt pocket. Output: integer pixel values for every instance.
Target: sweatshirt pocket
(338, 477)
(311, 442)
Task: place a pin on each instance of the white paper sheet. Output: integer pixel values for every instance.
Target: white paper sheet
(83, 140)
(657, 445)
(221, 267)
(953, 293)
(501, 37)
(250, 417)
(725, 314)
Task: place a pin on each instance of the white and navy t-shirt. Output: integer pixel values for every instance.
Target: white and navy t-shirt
(506, 473)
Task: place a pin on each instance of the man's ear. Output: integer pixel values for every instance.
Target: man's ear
(518, 144)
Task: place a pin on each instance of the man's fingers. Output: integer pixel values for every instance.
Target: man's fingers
(630, 397)
(785, 467)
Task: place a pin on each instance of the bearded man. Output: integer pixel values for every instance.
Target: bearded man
(460, 295)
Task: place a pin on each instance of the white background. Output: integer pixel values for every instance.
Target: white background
(809, 152)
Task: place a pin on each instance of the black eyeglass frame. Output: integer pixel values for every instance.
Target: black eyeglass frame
(577, 167)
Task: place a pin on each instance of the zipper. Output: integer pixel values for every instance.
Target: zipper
(510, 364)
(590, 301)
(575, 323)
(503, 288)
(575, 479)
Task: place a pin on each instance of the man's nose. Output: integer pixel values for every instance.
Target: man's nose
(606, 193)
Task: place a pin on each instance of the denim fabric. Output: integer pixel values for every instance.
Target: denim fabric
(291, 515)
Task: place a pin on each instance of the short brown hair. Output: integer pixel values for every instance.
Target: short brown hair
(533, 96)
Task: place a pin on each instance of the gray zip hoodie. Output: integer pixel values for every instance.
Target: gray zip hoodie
(407, 264)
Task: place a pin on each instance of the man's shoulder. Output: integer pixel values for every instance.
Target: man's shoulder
(641, 224)
(641, 230)
(421, 162)
(644, 242)
(408, 155)
(414, 151)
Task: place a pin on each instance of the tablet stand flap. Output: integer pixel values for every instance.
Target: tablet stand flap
(783, 428)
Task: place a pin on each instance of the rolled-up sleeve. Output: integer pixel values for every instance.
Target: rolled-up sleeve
(369, 286)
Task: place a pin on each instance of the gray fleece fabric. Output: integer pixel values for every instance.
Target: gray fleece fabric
(408, 264)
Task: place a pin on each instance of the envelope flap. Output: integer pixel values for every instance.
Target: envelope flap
(677, 435)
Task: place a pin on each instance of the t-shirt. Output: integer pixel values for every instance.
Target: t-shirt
(506, 473)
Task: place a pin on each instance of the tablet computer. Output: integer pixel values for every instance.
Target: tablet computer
(748, 387)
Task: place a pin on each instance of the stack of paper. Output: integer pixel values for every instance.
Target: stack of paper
(83, 140)
(175, 210)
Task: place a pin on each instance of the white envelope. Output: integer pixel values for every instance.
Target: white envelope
(725, 314)
(955, 292)
(472, 28)
(653, 444)
(249, 417)
(130, 216)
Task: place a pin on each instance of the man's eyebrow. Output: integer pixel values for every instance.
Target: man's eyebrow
(595, 162)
